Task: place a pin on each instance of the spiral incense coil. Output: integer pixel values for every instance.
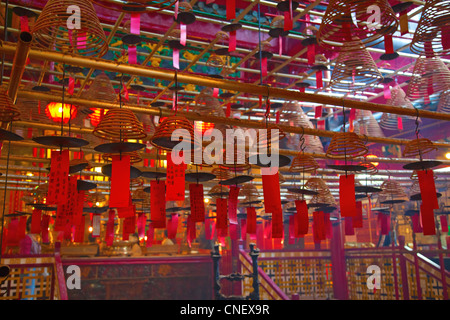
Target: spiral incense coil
(215, 61)
(222, 173)
(94, 197)
(428, 36)
(398, 98)
(162, 138)
(218, 191)
(430, 75)
(392, 190)
(101, 89)
(444, 102)
(348, 22)
(265, 137)
(139, 194)
(136, 182)
(418, 147)
(249, 192)
(415, 176)
(326, 199)
(354, 70)
(303, 163)
(120, 124)
(317, 184)
(370, 167)
(135, 157)
(8, 111)
(51, 31)
(366, 124)
(238, 161)
(346, 145)
(415, 188)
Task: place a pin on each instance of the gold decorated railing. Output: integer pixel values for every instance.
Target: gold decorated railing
(295, 273)
(30, 278)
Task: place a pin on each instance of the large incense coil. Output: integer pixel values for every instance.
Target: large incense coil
(135, 157)
(218, 191)
(249, 192)
(215, 61)
(292, 114)
(281, 178)
(140, 194)
(430, 75)
(8, 111)
(303, 163)
(392, 190)
(370, 167)
(51, 32)
(366, 124)
(94, 197)
(444, 102)
(390, 121)
(418, 147)
(222, 173)
(428, 35)
(415, 176)
(272, 134)
(120, 124)
(325, 199)
(236, 160)
(147, 123)
(346, 22)
(346, 145)
(136, 182)
(162, 138)
(355, 70)
(317, 184)
(415, 188)
(101, 89)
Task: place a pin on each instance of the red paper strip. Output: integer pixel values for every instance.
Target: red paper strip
(232, 204)
(428, 188)
(228, 112)
(22, 228)
(280, 46)
(176, 58)
(24, 25)
(141, 221)
(347, 195)
(427, 219)
(277, 117)
(385, 223)
(71, 85)
(417, 227)
(135, 23)
(311, 54)
(288, 22)
(183, 34)
(126, 212)
(400, 123)
(319, 82)
(251, 220)
(321, 125)
(132, 55)
(388, 44)
(387, 91)
(318, 112)
(129, 227)
(234, 231)
(301, 217)
(221, 213)
(79, 232)
(158, 203)
(319, 225)
(175, 180)
(150, 232)
(444, 223)
(197, 202)
(109, 237)
(36, 222)
(272, 202)
(231, 9)
(264, 67)
(243, 229)
(357, 220)
(44, 228)
(232, 41)
(119, 196)
(348, 226)
(58, 183)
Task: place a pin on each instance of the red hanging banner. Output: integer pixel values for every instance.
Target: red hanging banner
(231, 9)
(416, 226)
(172, 226)
(58, 181)
(357, 220)
(445, 37)
(444, 223)
(318, 112)
(109, 237)
(36, 222)
(251, 220)
(301, 218)
(272, 202)
(427, 219)
(319, 81)
(319, 225)
(79, 232)
(44, 228)
(175, 180)
(232, 204)
(221, 213)
(347, 195)
(232, 41)
(158, 203)
(141, 221)
(385, 223)
(120, 182)
(348, 225)
(197, 202)
(388, 44)
(129, 227)
(150, 235)
(311, 54)
(428, 188)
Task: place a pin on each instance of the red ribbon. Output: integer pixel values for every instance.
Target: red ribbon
(172, 226)
(264, 67)
(358, 219)
(348, 226)
(232, 41)
(222, 215)
(387, 91)
(129, 227)
(197, 202)
(428, 188)
(150, 232)
(385, 221)
(400, 123)
(228, 112)
(319, 225)
(311, 54)
(427, 219)
(109, 237)
(120, 182)
(328, 226)
(417, 227)
(301, 218)
(232, 204)
(347, 195)
(251, 220)
(272, 202)
(79, 232)
(158, 203)
(176, 58)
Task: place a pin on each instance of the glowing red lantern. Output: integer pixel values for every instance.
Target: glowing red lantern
(56, 111)
(203, 127)
(96, 115)
(372, 156)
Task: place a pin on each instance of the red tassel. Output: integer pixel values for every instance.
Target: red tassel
(221, 211)
(251, 220)
(347, 195)
(357, 220)
(197, 202)
(58, 183)
(158, 203)
(120, 182)
(175, 180)
(302, 220)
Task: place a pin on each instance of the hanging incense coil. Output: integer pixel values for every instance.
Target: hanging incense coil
(322, 199)
(347, 22)
(218, 191)
(147, 123)
(371, 169)
(355, 70)
(8, 111)
(418, 147)
(162, 138)
(317, 184)
(444, 102)
(94, 197)
(215, 61)
(101, 89)
(430, 75)
(222, 173)
(51, 31)
(250, 193)
(398, 98)
(207, 104)
(139, 194)
(292, 114)
(271, 134)
(366, 124)
(236, 160)
(136, 182)
(415, 176)
(428, 36)
(392, 192)
(120, 124)
(135, 157)
(303, 163)
(346, 145)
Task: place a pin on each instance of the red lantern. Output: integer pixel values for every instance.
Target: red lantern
(55, 111)
(96, 115)
(202, 127)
